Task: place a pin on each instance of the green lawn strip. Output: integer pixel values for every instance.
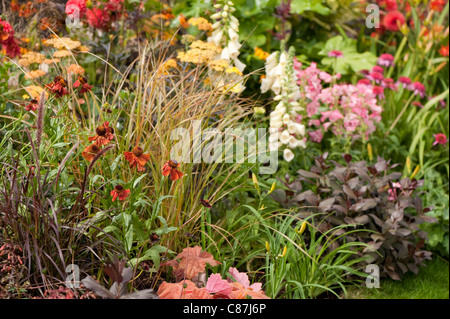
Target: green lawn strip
(432, 282)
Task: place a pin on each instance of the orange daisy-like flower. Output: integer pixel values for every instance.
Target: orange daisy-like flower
(90, 152)
(170, 167)
(105, 134)
(120, 192)
(137, 158)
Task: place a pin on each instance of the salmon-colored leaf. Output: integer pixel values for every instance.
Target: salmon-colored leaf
(194, 260)
(185, 289)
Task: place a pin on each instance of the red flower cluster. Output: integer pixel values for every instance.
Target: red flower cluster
(82, 83)
(7, 40)
(58, 86)
(72, 5)
(102, 16)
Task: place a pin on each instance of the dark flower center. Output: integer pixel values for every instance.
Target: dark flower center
(118, 188)
(95, 148)
(138, 151)
(101, 130)
(173, 164)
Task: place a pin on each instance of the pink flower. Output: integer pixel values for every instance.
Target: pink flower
(316, 136)
(378, 91)
(417, 88)
(335, 54)
(440, 138)
(351, 123)
(378, 69)
(386, 60)
(404, 81)
(364, 81)
(71, 4)
(312, 108)
(376, 76)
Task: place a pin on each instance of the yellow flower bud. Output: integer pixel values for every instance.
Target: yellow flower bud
(274, 185)
(255, 181)
(302, 228)
(369, 151)
(416, 170)
(267, 246)
(408, 165)
(284, 251)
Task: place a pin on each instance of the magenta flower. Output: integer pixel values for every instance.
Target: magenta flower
(378, 69)
(440, 138)
(386, 60)
(335, 54)
(376, 76)
(404, 81)
(316, 136)
(417, 88)
(378, 91)
(364, 81)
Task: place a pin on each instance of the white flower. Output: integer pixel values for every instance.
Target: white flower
(286, 119)
(216, 37)
(300, 129)
(233, 35)
(274, 137)
(273, 147)
(288, 155)
(293, 142)
(284, 137)
(301, 143)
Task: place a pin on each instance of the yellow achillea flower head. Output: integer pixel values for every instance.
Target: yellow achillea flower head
(30, 58)
(35, 74)
(75, 69)
(218, 65)
(62, 43)
(61, 54)
(200, 23)
(233, 70)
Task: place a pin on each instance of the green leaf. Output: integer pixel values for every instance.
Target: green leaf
(138, 180)
(300, 6)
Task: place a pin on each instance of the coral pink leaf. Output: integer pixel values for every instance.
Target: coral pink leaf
(216, 284)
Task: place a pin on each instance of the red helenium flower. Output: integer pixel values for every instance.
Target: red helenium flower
(90, 152)
(82, 81)
(170, 168)
(58, 86)
(137, 158)
(120, 192)
(32, 106)
(105, 134)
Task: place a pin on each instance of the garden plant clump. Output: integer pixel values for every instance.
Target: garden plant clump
(222, 149)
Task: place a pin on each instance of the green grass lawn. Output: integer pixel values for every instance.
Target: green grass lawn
(432, 282)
